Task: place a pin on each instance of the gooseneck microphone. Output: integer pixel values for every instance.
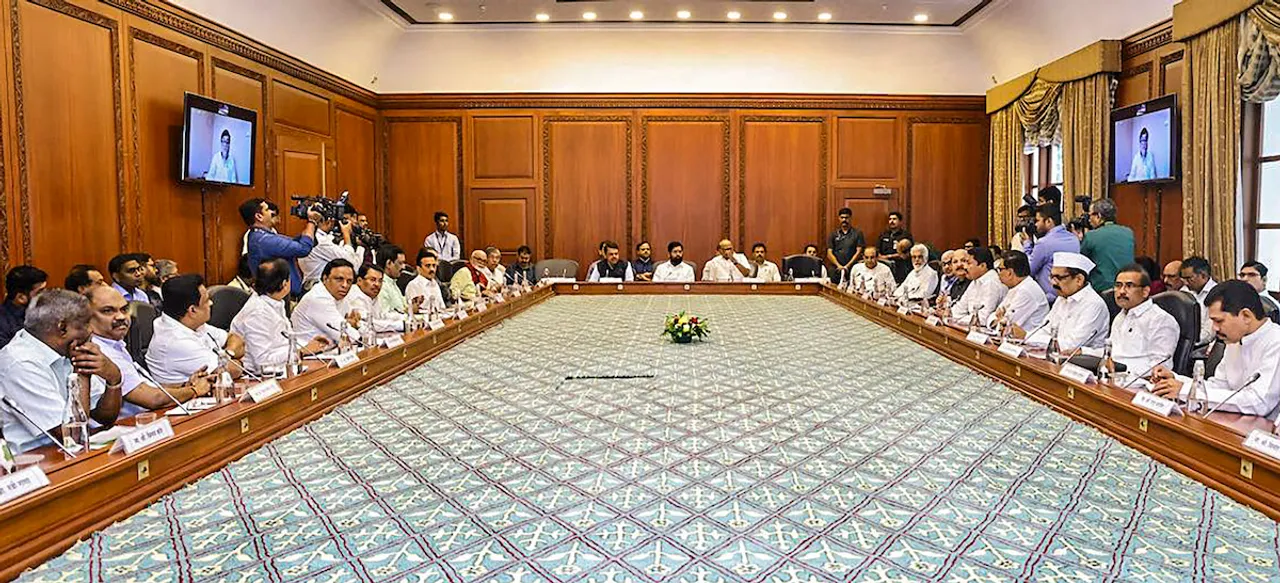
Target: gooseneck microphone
(222, 353)
(342, 333)
(16, 409)
(1146, 372)
(1256, 376)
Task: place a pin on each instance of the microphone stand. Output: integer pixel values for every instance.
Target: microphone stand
(1146, 372)
(1256, 376)
(12, 405)
(309, 353)
(222, 353)
(147, 376)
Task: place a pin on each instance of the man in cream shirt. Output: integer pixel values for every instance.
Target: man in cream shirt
(1143, 334)
(675, 269)
(1024, 306)
(921, 281)
(726, 265)
(870, 274)
(985, 291)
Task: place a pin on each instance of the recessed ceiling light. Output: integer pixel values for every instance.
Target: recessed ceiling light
(779, 15)
(636, 15)
(683, 15)
(734, 15)
(922, 17)
(543, 17)
(588, 16)
(824, 16)
(446, 16)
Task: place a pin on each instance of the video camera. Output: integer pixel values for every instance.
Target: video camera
(331, 210)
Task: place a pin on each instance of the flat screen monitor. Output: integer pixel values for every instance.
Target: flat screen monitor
(1144, 142)
(218, 141)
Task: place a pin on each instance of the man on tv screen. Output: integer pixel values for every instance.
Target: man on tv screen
(1144, 164)
(222, 167)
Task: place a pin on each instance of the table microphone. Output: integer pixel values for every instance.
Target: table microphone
(222, 353)
(1146, 372)
(9, 402)
(1256, 376)
(342, 333)
(147, 376)
(1033, 332)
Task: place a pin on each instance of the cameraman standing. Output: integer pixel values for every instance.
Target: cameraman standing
(264, 243)
(330, 245)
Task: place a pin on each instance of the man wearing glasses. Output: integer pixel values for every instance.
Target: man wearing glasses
(1255, 274)
(1079, 317)
(1107, 245)
(1143, 334)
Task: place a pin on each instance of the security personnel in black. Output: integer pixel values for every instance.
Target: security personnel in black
(888, 243)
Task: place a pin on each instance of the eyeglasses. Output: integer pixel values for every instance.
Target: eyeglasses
(1125, 285)
(1056, 277)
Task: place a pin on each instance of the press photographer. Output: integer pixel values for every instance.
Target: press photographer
(263, 243)
(335, 236)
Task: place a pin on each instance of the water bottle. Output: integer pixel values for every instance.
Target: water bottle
(1196, 396)
(75, 426)
(1053, 351)
(1104, 370)
(791, 274)
(368, 336)
(222, 388)
(975, 322)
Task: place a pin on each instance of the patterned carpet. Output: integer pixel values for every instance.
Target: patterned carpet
(801, 444)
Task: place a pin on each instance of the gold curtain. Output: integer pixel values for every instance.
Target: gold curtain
(1005, 185)
(1086, 136)
(1259, 58)
(1211, 147)
(1038, 110)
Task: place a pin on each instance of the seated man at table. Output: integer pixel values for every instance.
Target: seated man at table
(324, 310)
(110, 324)
(1142, 334)
(921, 280)
(52, 345)
(870, 274)
(761, 268)
(1253, 349)
(726, 265)
(612, 267)
(642, 266)
(674, 269)
(369, 282)
(1024, 306)
(1079, 317)
(470, 282)
(424, 291)
(391, 261)
(521, 272)
(985, 291)
(184, 342)
(493, 270)
(263, 324)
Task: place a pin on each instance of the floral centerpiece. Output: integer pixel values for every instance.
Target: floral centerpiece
(683, 328)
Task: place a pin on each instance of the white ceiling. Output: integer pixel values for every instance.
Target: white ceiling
(865, 12)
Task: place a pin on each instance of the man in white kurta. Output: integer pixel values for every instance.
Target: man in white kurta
(761, 268)
(1142, 334)
(1079, 317)
(363, 301)
(985, 291)
(330, 245)
(1024, 305)
(263, 324)
(1253, 348)
(675, 269)
(726, 265)
(424, 291)
(921, 281)
(869, 274)
(323, 310)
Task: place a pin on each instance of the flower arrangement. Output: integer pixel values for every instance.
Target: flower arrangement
(683, 328)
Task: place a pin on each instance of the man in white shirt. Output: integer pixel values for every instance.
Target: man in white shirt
(1254, 273)
(222, 167)
(985, 290)
(110, 324)
(424, 291)
(612, 267)
(921, 281)
(1079, 317)
(1143, 334)
(184, 342)
(871, 275)
(1196, 273)
(674, 269)
(1171, 275)
(725, 266)
(1024, 306)
(1253, 348)
(444, 243)
(1143, 166)
(53, 345)
(329, 246)
(494, 270)
(263, 324)
(362, 300)
(324, 310)
(761, 268)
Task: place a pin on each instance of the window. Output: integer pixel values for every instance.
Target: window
(1262, 189)
(1041, 168)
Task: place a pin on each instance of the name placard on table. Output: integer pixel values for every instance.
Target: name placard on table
(933, 321)
(263, 391)
(22, 482)
(435, 324)
(480, 307)
(1076, 373)
(1262, 442)
(145, 436)
(1159, 405)
(977, 337)
(904, 310)
(1010, 349)
(345, 359)
(393, 341)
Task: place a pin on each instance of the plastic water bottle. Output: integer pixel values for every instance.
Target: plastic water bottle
(975, 322)
(1104, 371)
(75, 427)
(1196, 396)
(1054, 351)
(368, 336)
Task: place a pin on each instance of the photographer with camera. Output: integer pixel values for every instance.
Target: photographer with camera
(263, 243)
(335, 239)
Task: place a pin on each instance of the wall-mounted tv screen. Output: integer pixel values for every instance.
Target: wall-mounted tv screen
(218, 142)
(1144, 142)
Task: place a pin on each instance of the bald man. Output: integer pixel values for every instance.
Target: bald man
(470, 282)
(725, 266)
(1171, 275)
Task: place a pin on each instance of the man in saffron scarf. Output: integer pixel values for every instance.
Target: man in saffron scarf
(469, 282)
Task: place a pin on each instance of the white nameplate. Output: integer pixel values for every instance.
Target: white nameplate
(393, 341)
(551, 280)
(515, 293)
(345, 359)
(977, 337)
(435, 324)
(1156, 404)
(145, 436)
(810, 279)
(462, 315)
(480, 307)
(499, 298)
(1010, 349)
(933, 321)
(263, 391)
(1263, 442)
(1076, 373)
(22, 482)
(611, 280)
(904, 310)
(883, 301)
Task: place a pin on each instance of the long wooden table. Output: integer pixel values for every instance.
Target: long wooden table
(97, 488)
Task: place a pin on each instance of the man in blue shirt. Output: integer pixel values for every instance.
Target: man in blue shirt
(21, 285)
(1053, 238)
(261, 216)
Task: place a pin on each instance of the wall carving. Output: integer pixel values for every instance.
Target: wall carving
(669, 101)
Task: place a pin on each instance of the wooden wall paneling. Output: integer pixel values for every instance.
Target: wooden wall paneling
(424, 174)
(502, 217)
(946, 178)
(300, 108)
(68, 98)
(301, 162)
(685, 182)
(356, 141)
(868, 148)
(587, 184)
(782, 174)
(166, 212)
(244, 87)
(502, 148)
(870, 212)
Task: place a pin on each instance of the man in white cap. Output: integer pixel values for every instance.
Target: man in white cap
(1079, 317)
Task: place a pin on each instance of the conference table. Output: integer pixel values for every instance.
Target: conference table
(88, 493)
